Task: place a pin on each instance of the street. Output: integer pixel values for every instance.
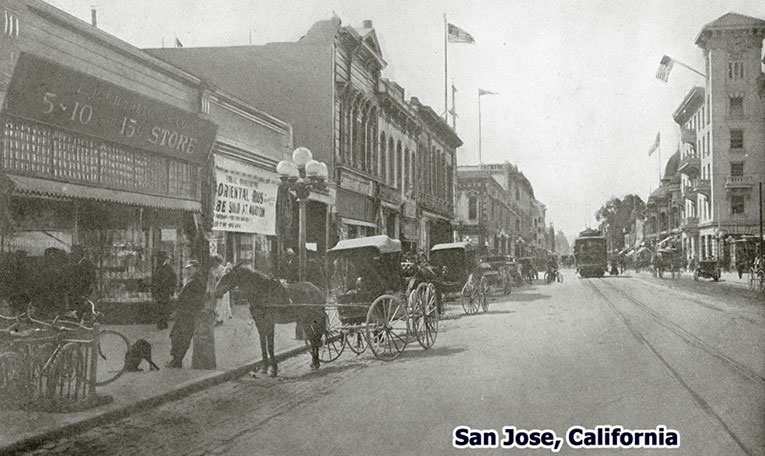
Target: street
(630, 350)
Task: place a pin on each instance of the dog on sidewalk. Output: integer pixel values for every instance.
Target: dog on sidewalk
(139, 351)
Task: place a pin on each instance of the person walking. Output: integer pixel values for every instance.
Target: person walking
(222, 305)
(163, 283)
(190, 302)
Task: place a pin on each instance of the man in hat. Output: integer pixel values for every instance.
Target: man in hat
(289, 269)
(190, 302)
(163, 283)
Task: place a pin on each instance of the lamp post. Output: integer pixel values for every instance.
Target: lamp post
(300, 176)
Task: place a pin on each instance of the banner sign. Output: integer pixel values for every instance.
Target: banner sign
(245, 197)
(47, 92)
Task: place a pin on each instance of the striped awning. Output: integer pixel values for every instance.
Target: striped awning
(54, 189)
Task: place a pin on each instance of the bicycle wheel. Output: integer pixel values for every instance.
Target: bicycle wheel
(112, 347)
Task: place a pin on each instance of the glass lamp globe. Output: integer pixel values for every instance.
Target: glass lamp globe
(284, 168)
(324, 174)
(301, 156)
(294, 174)
(313, 169)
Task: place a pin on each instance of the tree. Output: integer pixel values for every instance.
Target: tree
(562, 247)
(617, 216)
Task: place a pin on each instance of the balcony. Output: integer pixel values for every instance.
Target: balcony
(703, 186)
(690, 164)
(690, 223)
(739, 183)
(690, 193)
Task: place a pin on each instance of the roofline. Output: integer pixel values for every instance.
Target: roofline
(689, 97)
(83, 28)
(708, 27)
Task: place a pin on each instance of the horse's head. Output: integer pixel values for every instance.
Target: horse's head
(236, 276)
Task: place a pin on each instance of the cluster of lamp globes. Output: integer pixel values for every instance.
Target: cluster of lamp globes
(303, 166)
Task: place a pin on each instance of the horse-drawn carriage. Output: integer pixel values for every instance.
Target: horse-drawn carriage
(708, 268)
(667, 260)
(372, 304)
(460, 271)
(499, 272)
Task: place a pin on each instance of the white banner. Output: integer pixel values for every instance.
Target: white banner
(245, 197)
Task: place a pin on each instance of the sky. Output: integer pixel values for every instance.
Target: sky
(578, 103)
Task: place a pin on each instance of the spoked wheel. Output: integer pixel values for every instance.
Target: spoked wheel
(484, 294)
(332, 342)
(356, 341)
(425, 314)
(112, 347)
(387, 327)
(469, 298)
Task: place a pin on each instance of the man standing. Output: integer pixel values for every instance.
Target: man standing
(190, 302)
(289, 269)
(82, 280)
(163, 283)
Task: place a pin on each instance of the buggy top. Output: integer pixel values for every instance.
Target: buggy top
(452, 245)
(381, 242)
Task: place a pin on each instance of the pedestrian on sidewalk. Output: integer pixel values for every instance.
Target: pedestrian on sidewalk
(222, 305)
(163, 283)
(190, 302)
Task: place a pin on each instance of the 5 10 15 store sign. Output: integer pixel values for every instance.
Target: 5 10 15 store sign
(50, 93)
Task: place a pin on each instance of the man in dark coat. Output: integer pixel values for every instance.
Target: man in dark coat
(190, 302)
(163, 283)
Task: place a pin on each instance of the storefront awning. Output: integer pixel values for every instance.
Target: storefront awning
(42, 187)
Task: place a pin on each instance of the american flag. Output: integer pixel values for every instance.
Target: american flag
(665, 66)
(457, 35)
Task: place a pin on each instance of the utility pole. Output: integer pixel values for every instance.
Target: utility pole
(762, 243)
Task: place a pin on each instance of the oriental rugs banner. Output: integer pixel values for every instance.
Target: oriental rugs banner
(245, 197)
(47, 92)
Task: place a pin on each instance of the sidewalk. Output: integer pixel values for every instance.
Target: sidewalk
(237, 348)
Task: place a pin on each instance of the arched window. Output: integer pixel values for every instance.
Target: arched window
(399, 166)
(383, 156)
(472, 207)
(390, 157)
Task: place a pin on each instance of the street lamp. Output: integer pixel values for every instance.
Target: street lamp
(300, 176)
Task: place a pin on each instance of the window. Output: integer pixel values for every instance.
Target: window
(737, 139)
(736, 169)
(736, 108)
(735, 70)
(472, 207)
(737, 204)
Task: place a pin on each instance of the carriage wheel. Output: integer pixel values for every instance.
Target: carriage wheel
(468, 298)
(484, 294)
(356, 341)
(387, 327)
(425, 315)
(333, 340)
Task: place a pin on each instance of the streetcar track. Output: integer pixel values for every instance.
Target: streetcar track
(725, 312)
(693, 339)
(700, 401)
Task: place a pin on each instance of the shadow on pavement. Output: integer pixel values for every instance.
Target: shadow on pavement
(526, 297)
(415, 352)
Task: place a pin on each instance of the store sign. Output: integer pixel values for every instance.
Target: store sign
(47, 92)
(245, 197)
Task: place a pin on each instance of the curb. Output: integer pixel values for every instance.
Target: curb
(184, 389)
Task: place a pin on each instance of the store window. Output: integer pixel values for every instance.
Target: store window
(737, 169)
(737, 204)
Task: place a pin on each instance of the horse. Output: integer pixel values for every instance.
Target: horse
(272, 302)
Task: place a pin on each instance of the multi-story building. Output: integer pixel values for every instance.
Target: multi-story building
(526, 233)
(382, 152)
(665, 206)
(484, 214)
(723, 138)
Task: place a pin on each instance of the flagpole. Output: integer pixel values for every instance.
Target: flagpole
(446, 70)
(480, 159)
